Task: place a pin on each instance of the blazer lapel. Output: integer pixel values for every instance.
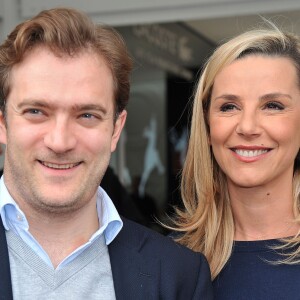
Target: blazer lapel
(5, 278)
(135, 276)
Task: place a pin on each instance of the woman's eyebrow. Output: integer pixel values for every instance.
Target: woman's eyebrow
(274, 96)
(229, 97)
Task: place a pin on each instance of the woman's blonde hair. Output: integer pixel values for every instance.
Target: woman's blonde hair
(207, 221)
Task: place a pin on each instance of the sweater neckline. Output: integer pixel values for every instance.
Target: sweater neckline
(258, 245)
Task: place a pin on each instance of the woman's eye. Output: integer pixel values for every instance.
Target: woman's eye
(274, 105)
(228, 107)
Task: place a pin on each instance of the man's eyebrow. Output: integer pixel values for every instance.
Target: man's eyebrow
(38, 103)
(82, 107)
(75, 107)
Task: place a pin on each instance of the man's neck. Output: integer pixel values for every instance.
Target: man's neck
(60, 235)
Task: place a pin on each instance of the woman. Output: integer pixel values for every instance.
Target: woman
(241, 178)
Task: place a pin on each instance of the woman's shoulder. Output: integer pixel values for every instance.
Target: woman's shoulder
(252, 273)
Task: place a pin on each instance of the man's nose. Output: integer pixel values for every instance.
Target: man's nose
(60, 138)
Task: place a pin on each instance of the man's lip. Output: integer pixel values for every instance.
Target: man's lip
(59, 166)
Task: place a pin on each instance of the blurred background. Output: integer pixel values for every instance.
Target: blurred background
(169, 41)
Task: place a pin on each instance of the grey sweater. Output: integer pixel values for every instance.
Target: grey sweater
(88, 276)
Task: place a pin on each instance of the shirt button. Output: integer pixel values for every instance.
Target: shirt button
(19, 218)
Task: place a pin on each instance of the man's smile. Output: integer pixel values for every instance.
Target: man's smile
(59, 166)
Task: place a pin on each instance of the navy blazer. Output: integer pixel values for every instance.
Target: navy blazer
(145, 265)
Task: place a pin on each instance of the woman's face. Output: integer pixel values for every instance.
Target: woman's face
(254, 120)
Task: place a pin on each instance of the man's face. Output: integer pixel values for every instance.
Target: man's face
(59, 130)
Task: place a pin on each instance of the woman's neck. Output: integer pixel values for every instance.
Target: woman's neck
(262, 213)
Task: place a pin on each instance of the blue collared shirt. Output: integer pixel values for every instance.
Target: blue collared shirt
(14, 219)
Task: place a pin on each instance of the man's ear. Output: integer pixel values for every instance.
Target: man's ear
(3, 137)
(119, 124)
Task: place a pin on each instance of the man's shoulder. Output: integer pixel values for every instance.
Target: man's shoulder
(175, 271)
(150, 242)
(139, 233)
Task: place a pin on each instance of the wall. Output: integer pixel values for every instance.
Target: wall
(131, 12)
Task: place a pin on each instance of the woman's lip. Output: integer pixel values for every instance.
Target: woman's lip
(252, 147)
(246, 153)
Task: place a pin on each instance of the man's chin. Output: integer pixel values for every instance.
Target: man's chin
(56, 206)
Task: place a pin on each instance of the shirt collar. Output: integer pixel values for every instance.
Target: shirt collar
(110, 223)
(109, 219)
(9, 209)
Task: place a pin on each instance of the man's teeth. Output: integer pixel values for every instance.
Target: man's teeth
(56, 166)
(250, 153)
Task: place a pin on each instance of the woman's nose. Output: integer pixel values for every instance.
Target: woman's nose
(248, 124)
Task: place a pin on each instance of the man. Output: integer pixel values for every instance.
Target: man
(64, 88)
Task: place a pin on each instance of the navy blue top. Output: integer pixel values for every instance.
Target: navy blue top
(249, 276)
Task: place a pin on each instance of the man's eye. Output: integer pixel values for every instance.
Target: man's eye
(87, 116)
(33, 111)
(274, 105)
(228, 107)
